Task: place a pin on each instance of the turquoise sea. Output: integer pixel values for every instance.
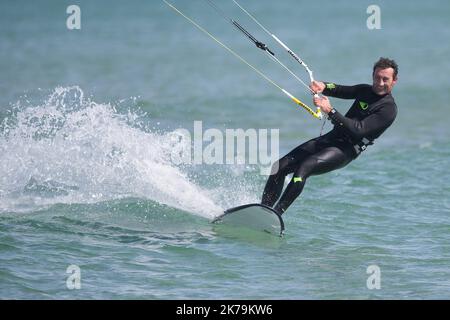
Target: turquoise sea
(92, 205)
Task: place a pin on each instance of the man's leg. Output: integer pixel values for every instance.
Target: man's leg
(324, 161)
(280, 170)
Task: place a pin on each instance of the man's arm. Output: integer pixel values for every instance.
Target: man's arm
(377, 122)
(335, 90)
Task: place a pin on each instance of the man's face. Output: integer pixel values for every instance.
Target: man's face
(383, 81)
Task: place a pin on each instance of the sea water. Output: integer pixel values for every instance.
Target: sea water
(92, 204)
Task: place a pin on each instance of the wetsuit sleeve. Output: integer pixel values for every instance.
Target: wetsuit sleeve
(342, 92)
(379, 121)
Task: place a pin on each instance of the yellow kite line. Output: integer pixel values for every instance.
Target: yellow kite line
(317, 114)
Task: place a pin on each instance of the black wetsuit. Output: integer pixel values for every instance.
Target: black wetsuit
(369, 116)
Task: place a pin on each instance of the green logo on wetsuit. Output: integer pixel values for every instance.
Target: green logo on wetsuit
(331, 86)
(363, 105)
(298, 179)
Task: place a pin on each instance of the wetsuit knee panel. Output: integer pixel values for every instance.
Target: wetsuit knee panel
(306, 168)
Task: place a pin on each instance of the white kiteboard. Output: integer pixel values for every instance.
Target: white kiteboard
(254, 216)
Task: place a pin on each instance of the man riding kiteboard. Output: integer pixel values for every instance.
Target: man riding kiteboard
(372, 112)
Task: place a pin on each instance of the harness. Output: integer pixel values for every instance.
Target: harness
(362, 145)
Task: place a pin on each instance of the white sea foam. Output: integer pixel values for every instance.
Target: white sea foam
(73, 150)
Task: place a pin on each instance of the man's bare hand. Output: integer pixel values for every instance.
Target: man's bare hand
(317, 86)
(324, 103)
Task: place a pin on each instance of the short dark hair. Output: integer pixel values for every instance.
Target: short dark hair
(384, 63)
